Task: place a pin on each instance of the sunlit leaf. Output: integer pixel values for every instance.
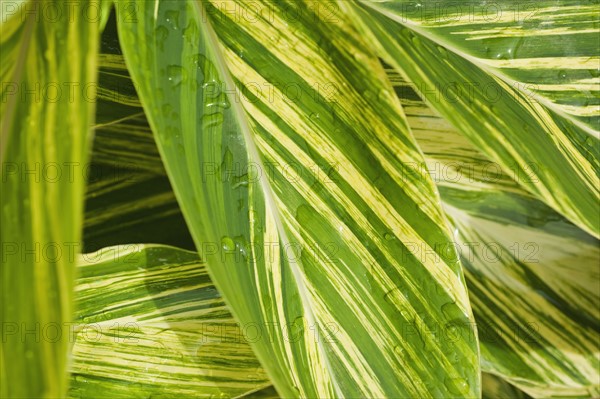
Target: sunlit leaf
(48, 82)
(151, 324)
(500, 83)
(326, 252)
(533, 277)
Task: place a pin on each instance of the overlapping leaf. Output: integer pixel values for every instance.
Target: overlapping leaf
(326, 250)
(532, 276)
(151, 324)
(524, 97)
(47, 110)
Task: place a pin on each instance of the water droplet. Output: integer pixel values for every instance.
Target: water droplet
(227, 243)
(161, 33)
(315, 115)
(443, 52)
(452, 312)
(389, 236)
(451, 354)
(399, 351)
(416, 40)
(562, 74)
(589, 140)
(212, 120)
(198, 60)
(176, 74)
(172, 17)
(457, 386)
(241, 181)
(190, 32)
(223, 104)
(492, 109)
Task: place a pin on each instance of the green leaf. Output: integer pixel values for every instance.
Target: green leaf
(266, 393)
(340, 254)
(494, 387)
(534, 292)
(105, 11)
(532, 276)
(46, 113)
(500, 84)
(150, 323)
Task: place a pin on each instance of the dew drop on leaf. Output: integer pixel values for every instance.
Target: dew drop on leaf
(457, 386)
(161, 33)
(190, 32)
(175, 74)
(172, 17)
(452, 312)
(212, 120)
(562, 74)
(443, 52)
(399, 350)
(227, 243)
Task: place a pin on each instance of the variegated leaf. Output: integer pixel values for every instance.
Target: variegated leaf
(338, 250)
(151, 324)
(524, 92)
(533, 277)
(48, 74)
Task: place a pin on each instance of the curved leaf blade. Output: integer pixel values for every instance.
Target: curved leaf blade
(150, 323)
(554, 154)
(233, 214)
(532, 276)
(42, 156)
